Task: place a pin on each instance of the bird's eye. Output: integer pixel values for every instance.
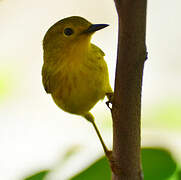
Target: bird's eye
(68, 31)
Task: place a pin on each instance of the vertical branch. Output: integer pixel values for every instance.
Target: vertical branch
(126, 110)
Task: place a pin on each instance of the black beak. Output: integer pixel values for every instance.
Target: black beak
(95, 27)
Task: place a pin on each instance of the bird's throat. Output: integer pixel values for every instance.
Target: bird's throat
(79, 51)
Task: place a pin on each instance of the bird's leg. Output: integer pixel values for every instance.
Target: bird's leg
(107, 152)
(90, 118)
(110, 99)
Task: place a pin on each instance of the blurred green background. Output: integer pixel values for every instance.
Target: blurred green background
(37, 137)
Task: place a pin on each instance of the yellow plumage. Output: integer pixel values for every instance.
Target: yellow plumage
(74, 70)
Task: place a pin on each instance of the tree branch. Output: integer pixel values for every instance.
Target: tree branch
(126, 110)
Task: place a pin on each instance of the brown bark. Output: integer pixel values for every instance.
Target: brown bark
(126, 109)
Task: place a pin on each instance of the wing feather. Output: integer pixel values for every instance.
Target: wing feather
(46, 78)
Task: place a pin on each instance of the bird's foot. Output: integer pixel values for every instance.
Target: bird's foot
(110, 100)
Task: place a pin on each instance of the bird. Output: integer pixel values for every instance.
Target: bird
(74, 71)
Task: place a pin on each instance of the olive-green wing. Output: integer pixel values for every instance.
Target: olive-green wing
(100, 55)
(97, 50)
(46, 78)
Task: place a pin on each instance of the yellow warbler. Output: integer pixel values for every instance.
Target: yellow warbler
(74, 70)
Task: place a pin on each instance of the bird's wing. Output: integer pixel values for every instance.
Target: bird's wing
(46, 78)
(97, 50)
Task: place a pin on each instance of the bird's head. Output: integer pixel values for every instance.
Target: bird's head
(70, 32)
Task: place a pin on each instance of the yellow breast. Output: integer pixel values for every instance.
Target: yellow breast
(82, 83)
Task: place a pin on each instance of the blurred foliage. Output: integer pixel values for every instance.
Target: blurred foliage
(158, 164)
(176, 175)
(4, 87)
(165, 115)
(7, 82)
(179, 175)
(99, 170)
(70, 152)
(38, 176)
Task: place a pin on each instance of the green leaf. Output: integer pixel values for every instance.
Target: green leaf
(179, 174)
(175, 176)
(38, 176)
(98, 170)
(157, 163)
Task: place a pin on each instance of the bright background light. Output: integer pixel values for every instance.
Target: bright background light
(34, 133)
